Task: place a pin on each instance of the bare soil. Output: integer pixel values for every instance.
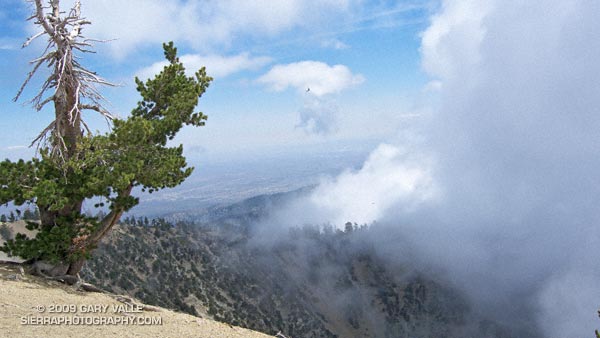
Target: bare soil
(31, 306)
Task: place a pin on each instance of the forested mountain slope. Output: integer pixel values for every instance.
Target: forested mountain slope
(310, 283)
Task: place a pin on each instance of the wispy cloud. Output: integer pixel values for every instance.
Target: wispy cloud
(361, 16)
(203, 25)
(15, 148)
(207, 26)
(334, 43)
(9, 44)
(318, 116)
(216, 65)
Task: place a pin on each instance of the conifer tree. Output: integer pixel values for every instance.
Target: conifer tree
(74, 165)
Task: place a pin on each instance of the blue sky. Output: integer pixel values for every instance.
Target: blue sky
(360, 58)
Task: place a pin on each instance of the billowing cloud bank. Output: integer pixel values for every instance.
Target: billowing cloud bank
(516, 138)
(506, 204)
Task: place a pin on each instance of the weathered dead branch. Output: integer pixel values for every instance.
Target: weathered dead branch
(70, 86)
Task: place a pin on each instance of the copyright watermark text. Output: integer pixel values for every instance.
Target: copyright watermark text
(90, 314)
(89, 320)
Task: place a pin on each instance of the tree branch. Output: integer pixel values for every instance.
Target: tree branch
(43, 133)
(98, 109)
(39, 14)
(29, 40)
(109, 220)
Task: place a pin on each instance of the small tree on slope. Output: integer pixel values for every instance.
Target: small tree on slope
(75, 165)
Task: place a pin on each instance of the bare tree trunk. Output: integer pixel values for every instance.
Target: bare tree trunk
(68, 121)
(75, 267)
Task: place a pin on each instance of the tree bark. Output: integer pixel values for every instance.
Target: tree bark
(75, 267)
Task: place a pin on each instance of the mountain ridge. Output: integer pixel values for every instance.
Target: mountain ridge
(312, 282)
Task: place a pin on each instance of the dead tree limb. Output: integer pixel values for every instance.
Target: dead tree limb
(70, 86)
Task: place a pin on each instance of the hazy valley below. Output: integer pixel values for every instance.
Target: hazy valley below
(224, 182)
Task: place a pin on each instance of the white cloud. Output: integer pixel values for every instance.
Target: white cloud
(451, 43)
(319, 77)
(203, 25)
(516, 140)
(316, 82)
(318, 116)
(216, 66)
(433, 86)
(207, 26)
(389, 177)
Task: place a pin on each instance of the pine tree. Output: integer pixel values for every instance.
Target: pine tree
(75, 165)
(28, 215)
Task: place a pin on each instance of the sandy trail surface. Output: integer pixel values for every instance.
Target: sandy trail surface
(34, 307)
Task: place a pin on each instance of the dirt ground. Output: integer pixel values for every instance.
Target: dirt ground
(34, 307)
